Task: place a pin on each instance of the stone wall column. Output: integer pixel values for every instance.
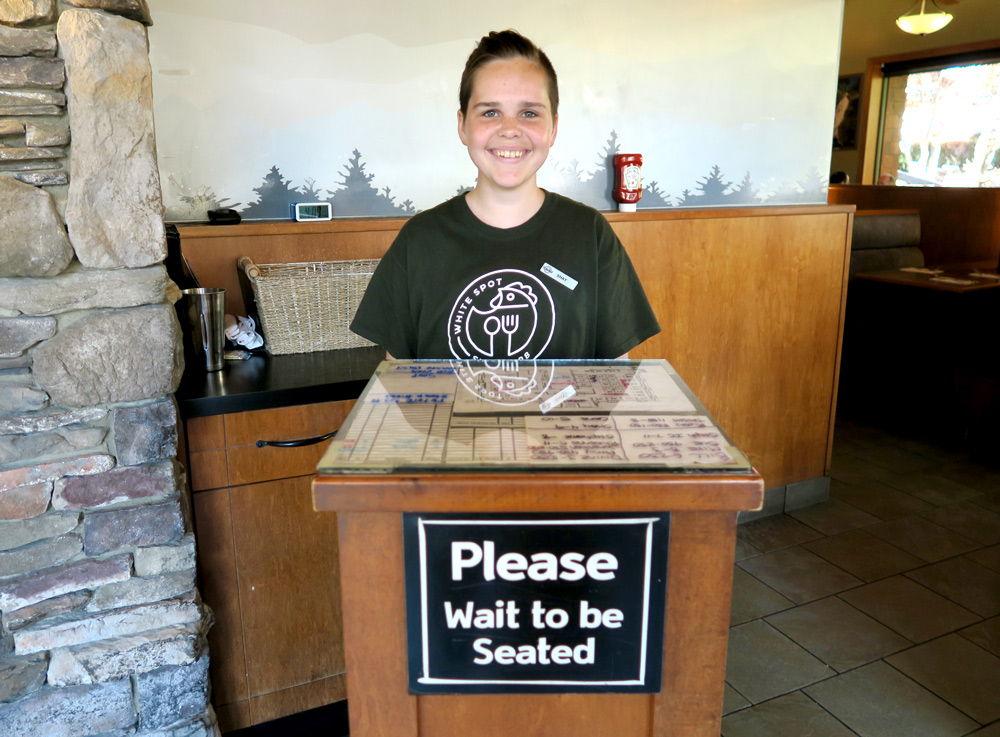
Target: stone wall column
(102, 630)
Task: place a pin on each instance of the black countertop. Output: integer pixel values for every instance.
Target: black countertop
(264, 381)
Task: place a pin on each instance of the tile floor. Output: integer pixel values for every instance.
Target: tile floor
(876, 613)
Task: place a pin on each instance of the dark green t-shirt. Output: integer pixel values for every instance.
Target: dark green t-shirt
(558, 286)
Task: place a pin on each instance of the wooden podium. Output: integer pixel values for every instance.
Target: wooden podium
(410, 447)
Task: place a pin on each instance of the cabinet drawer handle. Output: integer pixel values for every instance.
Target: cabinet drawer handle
(296, 443)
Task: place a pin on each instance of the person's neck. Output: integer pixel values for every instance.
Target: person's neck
(505, 210)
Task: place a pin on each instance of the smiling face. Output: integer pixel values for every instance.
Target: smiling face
(509, 126)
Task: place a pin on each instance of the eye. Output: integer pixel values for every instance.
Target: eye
(490, 113)
(530, 114)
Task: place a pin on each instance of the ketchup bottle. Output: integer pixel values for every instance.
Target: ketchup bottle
(628, 181)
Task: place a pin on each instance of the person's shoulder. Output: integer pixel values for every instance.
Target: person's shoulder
(570, 211)
(566, 207)
(432, 217)
(568, 204)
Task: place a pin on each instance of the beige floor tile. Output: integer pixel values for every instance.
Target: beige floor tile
(921, 523)
(896, 460)
(774, 533)
(940, 452)
(879, 701)
(986, 634)
(863, 555)
(799, 574)
(793, 715)
(970, 520)
(745, 550)
(854, 470)
(973, 475)
(762, 663)
(863, 435)
(992, 730)
(838, 634)
(912, 610)
(753, 599)
(732, 701)
(961, 673)
(879, 499)
(989, 501)
(833, 516)
(988, 557)
(932, 487)
(966, 583)
(844, 446)
(923, 538)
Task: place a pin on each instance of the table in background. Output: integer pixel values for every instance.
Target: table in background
(917, 341)
(957, 278)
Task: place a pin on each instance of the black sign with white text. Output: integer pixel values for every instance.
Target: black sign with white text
(530, 603)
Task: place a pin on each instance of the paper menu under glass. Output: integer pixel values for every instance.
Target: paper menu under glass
(529, 415)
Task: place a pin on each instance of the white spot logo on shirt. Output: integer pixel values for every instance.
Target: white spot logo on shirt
(506, 314)
(505, 381)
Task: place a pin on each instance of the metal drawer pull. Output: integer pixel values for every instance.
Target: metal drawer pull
(296, 443)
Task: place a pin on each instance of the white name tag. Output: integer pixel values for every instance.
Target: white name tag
(556, 399)
(560, 277)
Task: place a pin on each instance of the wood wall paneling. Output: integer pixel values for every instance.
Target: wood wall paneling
(288, 584)
(208, 469)
(218, 249)
(286, 423)
(303, 697)
(515, 492)
(219, 586)
(699, 591)
(268, 564)
(206, 433)
(249, 464)
(566, 715)
(751, 310)
(375, 626)
(233, 716)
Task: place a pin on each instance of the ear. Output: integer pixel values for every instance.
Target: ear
(461, 128)
(555, 128)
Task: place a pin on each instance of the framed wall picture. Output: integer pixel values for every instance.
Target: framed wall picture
(845, 119)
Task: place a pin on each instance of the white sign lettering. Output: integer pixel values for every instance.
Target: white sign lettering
(515, 566)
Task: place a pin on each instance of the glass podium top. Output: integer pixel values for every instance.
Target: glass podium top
(537, 415)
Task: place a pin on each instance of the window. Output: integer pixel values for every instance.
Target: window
(940, 122)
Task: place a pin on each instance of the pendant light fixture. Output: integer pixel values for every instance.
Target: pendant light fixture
(922, 23)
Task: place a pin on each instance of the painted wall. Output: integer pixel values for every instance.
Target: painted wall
(870, 31)
(730, 102)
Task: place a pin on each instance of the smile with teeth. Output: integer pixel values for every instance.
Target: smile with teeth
(508, 154)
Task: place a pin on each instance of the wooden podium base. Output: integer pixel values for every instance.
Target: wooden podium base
(703, 510)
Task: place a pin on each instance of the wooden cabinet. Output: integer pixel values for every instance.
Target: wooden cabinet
(268, 564)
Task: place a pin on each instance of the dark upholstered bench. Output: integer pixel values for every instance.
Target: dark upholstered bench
(885, 240)
(882, 240)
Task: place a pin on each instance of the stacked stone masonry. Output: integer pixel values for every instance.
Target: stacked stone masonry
(102, 630)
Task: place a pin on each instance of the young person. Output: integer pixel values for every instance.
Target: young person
(507, 270)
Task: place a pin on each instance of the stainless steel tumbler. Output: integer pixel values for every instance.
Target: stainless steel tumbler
(206, 309)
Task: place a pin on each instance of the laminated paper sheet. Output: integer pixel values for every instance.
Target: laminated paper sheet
(442, 415)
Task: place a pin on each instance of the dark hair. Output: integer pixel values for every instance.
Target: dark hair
(506, 45)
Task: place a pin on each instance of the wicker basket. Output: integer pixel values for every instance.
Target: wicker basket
(309, 306)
